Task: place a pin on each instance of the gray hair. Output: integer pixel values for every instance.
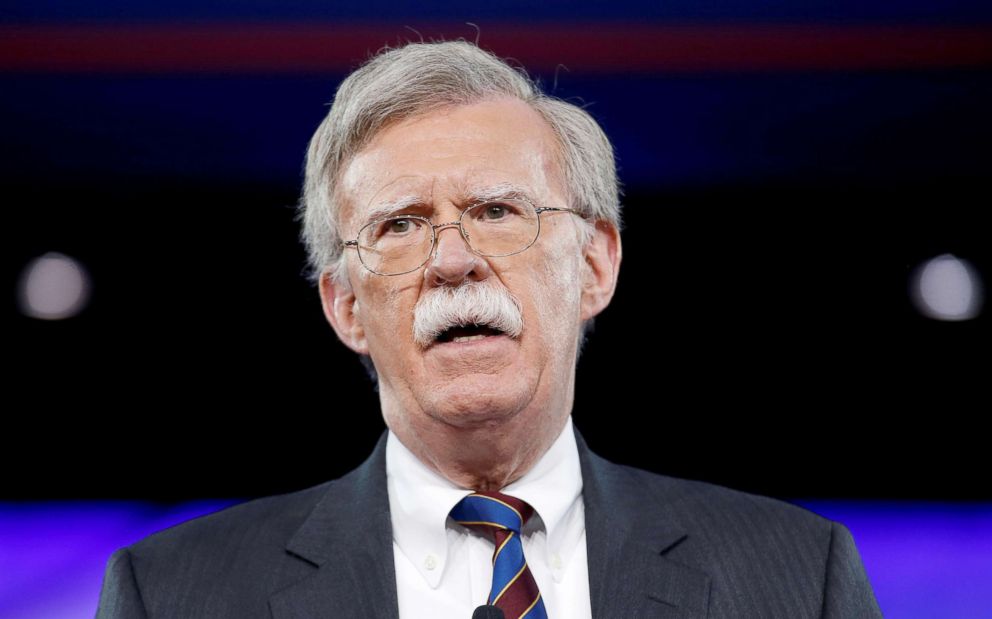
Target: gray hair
(419, 78)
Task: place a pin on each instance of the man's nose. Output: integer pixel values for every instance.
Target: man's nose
(453, 260)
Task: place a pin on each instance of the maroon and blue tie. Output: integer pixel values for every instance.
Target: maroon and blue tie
(502, 517)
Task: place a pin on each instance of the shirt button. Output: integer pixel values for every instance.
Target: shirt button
(556, 561)
(430, 562)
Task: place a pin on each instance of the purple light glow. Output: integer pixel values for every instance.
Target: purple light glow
(923, 559)
(52, 554)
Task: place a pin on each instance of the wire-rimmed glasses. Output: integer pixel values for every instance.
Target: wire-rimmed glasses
(400, 244)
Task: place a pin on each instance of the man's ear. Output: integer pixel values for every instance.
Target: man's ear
(602, 267)
(341, 310)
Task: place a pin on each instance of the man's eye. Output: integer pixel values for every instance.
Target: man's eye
(495, 211)
(397, 226)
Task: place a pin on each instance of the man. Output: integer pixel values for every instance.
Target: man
(463, 230)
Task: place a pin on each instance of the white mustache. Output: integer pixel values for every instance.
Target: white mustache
(471, 303)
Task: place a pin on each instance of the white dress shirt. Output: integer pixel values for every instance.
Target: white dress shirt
(444, 570)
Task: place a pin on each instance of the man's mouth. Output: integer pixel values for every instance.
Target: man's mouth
(467, 333)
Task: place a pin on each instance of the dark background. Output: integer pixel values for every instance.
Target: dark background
(761, 337)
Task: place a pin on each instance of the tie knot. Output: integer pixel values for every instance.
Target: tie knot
(492, 511)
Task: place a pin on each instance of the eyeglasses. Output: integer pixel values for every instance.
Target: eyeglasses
(403, 243)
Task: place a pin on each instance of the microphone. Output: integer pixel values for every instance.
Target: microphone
(488, 612)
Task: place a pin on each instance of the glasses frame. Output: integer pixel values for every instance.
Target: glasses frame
(435, 227)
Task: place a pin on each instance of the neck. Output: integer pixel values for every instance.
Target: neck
(485, 465)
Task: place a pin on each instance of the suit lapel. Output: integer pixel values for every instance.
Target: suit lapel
(627, 538)
(348, 539)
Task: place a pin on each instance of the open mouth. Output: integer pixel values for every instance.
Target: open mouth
(468, 333)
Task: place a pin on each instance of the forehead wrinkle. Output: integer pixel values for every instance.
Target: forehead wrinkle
(376, 208)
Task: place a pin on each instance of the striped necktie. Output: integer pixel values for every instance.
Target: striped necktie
(502, 517)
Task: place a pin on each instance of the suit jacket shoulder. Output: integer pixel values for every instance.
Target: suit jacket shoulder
(694, 549)
(291, 555)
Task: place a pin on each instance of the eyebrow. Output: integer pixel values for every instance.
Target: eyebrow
(384, 209)
(499, 191)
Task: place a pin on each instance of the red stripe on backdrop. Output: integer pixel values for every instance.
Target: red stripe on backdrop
(592, 47)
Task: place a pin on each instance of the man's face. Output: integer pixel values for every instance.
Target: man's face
(435, 164)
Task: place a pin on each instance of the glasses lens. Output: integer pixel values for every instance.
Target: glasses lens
(501, 228)
(395, 245)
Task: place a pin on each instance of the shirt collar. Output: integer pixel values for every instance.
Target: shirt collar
(420, 500)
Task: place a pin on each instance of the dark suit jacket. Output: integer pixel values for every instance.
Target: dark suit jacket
(657, 547)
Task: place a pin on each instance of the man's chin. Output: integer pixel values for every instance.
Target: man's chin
(485, 417)
(471, 405)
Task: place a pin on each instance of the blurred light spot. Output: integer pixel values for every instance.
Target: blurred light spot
(947, 288)
(53, 287)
